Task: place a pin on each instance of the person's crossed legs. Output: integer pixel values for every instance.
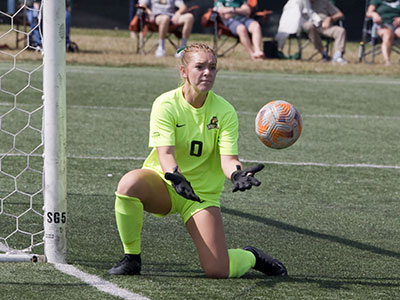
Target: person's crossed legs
(164, 21)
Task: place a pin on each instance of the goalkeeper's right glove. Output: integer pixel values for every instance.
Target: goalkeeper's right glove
(181, 185)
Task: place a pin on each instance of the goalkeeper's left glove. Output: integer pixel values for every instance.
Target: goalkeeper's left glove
(244, 179)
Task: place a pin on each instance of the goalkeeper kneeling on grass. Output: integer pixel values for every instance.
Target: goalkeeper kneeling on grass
(193, 133)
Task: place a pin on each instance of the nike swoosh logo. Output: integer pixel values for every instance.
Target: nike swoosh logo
(178, 125)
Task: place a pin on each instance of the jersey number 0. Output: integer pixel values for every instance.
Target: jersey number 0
(196, 148)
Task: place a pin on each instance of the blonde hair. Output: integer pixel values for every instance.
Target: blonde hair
(194, 48)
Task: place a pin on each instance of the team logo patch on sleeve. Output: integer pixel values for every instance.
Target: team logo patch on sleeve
(213, 123)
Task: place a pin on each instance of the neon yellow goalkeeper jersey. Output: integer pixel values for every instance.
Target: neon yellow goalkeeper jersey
(200, 136)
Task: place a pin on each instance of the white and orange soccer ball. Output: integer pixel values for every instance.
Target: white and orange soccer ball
(278, 124)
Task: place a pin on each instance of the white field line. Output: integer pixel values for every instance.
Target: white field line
(253, 75)
(99, 283)
(321, 164)
(144, 109)
(267, 162)
(294, 77)
(251, 113)
(331, 116)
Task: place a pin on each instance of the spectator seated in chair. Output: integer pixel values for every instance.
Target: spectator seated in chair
(235, 14)
(386, 18)
(295, 14)
(329, 15)
(163, 13)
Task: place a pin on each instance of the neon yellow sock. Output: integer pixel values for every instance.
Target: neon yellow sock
(240, 262)
(129, 216)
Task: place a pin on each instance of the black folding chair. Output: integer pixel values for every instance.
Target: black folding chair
(223, 39)
(142, 26)
(370, 45)
(302, 42)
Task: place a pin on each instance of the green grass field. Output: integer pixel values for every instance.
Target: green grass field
(328, 206)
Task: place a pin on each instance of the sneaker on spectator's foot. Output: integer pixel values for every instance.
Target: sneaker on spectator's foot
(160, 52)
(129, 265)
(267, 264)
(35, 47)
(340, 61)
(326, 58)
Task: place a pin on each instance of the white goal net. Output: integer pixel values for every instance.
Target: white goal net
(28, 221)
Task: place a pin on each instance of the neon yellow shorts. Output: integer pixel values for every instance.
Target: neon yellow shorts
(186, 208)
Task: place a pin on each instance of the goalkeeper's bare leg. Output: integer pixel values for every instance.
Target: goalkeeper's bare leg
(138, 190)
(144, 189)
(148, 186)
(207, 231)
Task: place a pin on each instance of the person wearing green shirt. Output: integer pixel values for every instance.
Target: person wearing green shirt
(386, 17)
(193, 136)
(235, 14)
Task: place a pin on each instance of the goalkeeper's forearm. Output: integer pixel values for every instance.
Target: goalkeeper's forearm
(229, 163)
(166, 156)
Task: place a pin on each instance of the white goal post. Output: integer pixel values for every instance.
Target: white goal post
(54, 88)
(51, 149)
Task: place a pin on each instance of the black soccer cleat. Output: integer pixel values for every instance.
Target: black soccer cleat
(267, 264)
(130, 264)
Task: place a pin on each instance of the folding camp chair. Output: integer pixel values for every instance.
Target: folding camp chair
(140, 25)
(221, 33)
(302, 42)
(370, 45)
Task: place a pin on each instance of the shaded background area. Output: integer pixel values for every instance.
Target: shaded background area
(115, 14)
(106, 14)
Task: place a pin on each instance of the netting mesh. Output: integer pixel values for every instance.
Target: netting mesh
(21, 142)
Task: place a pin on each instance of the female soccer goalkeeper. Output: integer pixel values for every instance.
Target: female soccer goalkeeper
(193, 133)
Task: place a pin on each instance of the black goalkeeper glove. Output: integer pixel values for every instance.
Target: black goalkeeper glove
(181, 185)
(242, 181)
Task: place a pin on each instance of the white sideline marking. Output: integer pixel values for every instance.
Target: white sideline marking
(321, 164)
(267, 162)
(100, 284)
(252, 113)
(254, 161)
(348, 79)
(331, 116)
(313, 78)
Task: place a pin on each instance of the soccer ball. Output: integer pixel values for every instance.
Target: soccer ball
(278, 124)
